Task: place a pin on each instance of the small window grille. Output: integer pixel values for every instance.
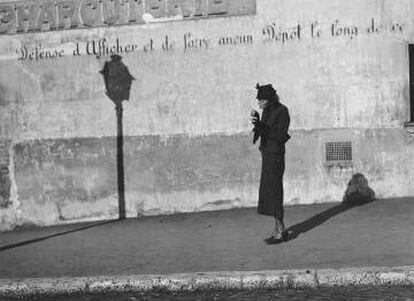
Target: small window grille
(338, 152)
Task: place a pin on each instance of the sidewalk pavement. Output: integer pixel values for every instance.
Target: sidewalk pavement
(174, 250)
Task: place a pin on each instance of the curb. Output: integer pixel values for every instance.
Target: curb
(179, 283)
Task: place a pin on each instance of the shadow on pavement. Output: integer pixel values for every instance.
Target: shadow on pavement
(315, 221)
(30, 241)
(320, 218)
(357, 193)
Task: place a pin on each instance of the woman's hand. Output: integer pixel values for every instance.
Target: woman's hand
(254, 120)
(255, 117)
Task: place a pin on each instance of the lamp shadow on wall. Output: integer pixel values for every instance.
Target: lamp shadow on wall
(42, 238)
(357, 193)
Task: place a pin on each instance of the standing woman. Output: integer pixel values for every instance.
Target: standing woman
(272, 129)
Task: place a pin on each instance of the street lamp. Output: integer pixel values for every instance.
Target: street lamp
(118, 84)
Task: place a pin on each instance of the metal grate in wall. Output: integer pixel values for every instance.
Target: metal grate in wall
(338, 151)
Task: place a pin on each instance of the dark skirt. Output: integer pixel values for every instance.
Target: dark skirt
(271, 185)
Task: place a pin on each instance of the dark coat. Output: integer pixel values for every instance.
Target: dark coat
(273, 131)
(275, 125)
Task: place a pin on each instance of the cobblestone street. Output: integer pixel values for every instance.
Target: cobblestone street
(214, 242)
(349, 293)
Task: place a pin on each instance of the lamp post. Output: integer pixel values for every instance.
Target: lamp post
(118, 84)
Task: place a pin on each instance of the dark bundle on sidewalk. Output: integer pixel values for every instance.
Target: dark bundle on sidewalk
(358, 191)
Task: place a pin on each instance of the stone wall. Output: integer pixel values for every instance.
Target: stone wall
(341, 67)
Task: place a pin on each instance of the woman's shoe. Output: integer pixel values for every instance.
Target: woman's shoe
(277, 237)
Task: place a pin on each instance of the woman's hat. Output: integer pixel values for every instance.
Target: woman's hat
(265, 91)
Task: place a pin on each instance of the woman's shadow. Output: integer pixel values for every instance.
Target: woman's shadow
(315, 221)
(357, 193)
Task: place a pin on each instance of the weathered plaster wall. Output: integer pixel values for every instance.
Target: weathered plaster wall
(187, 145)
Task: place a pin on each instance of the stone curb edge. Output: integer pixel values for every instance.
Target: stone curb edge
(174, 283)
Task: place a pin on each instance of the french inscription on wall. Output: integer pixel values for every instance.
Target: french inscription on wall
(46, 15)
(4, 173)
